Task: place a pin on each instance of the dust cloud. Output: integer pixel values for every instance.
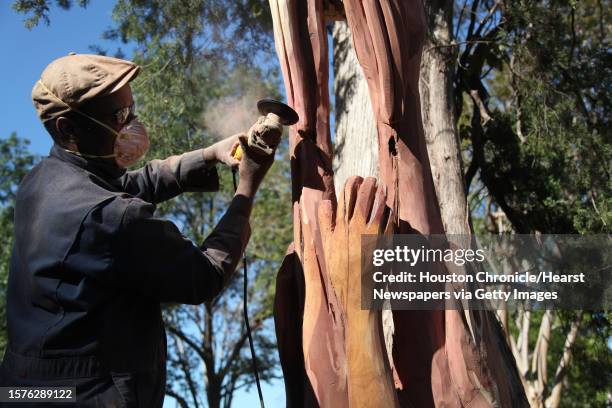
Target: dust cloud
(232, 114)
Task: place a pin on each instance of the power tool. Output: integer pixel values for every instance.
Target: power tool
(265, 134)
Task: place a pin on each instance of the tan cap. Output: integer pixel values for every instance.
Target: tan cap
(76, 79)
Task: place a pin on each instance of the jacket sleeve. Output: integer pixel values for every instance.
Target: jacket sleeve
(160, 180)
(154, 258)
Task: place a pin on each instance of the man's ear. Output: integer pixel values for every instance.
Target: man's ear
(68, 132)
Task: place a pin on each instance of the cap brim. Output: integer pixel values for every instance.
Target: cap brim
(122, 81)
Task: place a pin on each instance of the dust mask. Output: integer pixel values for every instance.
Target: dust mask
(131, 142)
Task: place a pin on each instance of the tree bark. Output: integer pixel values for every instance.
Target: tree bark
(301, 44)
(560, 375)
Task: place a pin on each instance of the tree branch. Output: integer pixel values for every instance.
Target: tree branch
(555, 396)
(208, 342)
(473, 15)
(482, 108)
(184, 362)
(484, 21)
(470, 173)
(186, 339)
(234, 354)
(181, 401)
(460, 19)
(539, 360)
(523, 344)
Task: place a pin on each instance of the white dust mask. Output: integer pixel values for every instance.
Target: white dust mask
(131, 143)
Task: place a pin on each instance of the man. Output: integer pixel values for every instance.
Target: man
(91, 265)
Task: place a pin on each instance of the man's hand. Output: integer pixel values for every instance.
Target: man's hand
(253, 167)
(221, 152)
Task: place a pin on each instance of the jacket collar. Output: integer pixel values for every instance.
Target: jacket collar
(100, 169)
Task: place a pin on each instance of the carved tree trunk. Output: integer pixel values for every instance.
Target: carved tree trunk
(356, 140)
(361, 210)
(342, 362)
(318, 376)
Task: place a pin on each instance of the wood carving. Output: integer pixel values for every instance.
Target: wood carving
(361, 210)
(332, 352)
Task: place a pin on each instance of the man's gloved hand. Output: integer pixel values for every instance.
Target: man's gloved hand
(266, 132)
(222, 151)
(253, 167)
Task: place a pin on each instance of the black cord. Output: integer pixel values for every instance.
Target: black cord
(245, 311)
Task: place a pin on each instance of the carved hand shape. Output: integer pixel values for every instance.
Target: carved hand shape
(361, 210)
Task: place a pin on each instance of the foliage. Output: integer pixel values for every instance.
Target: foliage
(38, 9)
(540, 140)
(591, 375)
(532, 92)
(15, 162)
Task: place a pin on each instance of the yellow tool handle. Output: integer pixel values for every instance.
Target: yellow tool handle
(238, 153)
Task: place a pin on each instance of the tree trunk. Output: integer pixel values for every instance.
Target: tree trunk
(355, 137)
(443, 151)
(354, 119)
(561, 374)
(301, 44)
(436, 88)
(437, 361)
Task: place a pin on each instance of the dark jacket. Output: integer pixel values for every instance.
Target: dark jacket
(90, 267)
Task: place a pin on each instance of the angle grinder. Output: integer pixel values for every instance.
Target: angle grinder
(265, 134)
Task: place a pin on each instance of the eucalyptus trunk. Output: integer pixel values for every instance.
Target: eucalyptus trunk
(437, 107)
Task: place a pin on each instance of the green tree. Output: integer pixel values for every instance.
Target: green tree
(15, 162)
(537, 130)
(532, 100)
(39, 10)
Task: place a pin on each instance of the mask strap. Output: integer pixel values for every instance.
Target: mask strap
(90, 156)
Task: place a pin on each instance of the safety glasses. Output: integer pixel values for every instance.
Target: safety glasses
(122, 115)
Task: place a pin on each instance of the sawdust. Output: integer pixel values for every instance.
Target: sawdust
(233, 114)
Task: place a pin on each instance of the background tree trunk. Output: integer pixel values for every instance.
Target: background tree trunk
(437, 105)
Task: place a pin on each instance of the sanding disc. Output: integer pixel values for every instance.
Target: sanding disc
(286, 114)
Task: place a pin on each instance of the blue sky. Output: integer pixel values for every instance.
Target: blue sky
(25, 55)
(27, 52)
